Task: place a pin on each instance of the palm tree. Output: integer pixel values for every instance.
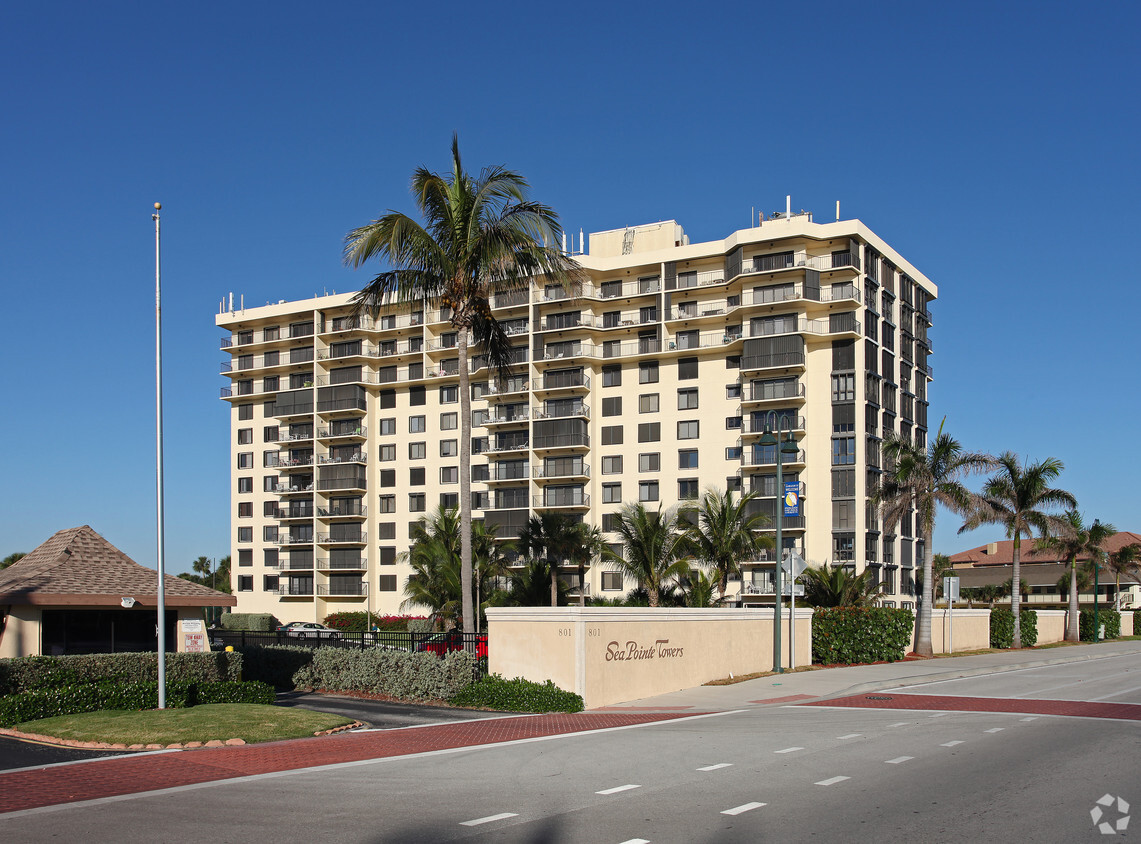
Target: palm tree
(529, 586)
(941, 566)
(919, 479)
(699, 589)
(1124, 562)
(1073, 538)
(836, 586)
(1018, 498)
(726, 534)
(559, 539)
(654, 550)
(479, 236)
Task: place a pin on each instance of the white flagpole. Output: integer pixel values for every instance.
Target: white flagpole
(158, 465)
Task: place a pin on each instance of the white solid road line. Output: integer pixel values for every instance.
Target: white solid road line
(747, 807)
(716, 767)
(1031, 718)
(789, 750)
(939, 715)
(616, 789)
(950, 743)
(1117, 694)
(832, 780)
(850, 735)
(898, 759)
(490, 818)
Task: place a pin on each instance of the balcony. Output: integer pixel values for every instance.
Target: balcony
(779, 360)
(328, 539)
(763, 395)
(506, 447)
(615, 290)
(556, 322)
(300, 510)
(576, 471)
(803, 326)
(298, 486)
(570, 351)
(700, 309)
(551, 500)
(501, 416)
(295, 590)
(287, 463)
(756, 427)
(293, 539)
(768, 457)
(356, 432)
(509, 299)
(509, 389)
(706, 278)
(498, 473)
(285, 436)
(351, 405)
(705, 340)
(561, 381)
(292, 565)
(343, 511)
(560, 441)
(353, 590)
(354, 564)
(355, 457)
(366, 376)
(641, 347)
(580, 410)
(800, 261)
(558, 294)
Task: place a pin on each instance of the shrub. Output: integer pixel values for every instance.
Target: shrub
(1108, 617)
(259, 622)
(91, 697)
(516, 695)
(35, 673)
(275, 665)
(844, 635)
(1002, 627)
(360, 622)
(421, 625)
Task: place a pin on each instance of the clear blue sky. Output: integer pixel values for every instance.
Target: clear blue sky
(994, 145)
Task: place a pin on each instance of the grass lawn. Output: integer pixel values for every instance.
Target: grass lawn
(252, 722)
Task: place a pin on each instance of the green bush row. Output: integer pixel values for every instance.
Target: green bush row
(1002, 627)
(518, 695)
(848, 635)
(360, 622)
(22, 707)
(259, 622)
(401, 674)
(35, 673)
(1110, 618)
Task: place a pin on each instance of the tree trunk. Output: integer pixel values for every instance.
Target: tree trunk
(652, 591)
(465, 482)
(1016, 591)
(554, 584)
(582, 584)
(923, 645)
(1073, 633)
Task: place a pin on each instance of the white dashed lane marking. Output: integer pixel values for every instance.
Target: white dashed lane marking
(898, 759)
(832, 780)
(850, 735)
(490, 818)
(747, 807)
(788, 750)
(637, 841)
(617, 788)
(995, 730)
(898, 724)
(716, 767)
(950, 743)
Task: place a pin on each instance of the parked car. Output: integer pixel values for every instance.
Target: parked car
(308, 630)
(444, 643)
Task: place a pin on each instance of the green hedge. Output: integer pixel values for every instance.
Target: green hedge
(1002, 627)
(847, 635)
(91, 697)
(360, 622)
(409, 676)
(258, 622)
(1109, 617)
(517, 695)
(34, 673)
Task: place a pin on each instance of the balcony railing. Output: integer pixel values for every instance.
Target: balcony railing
(579, 410)
(284, 436)
(802, 326)
(346, 589)
(779, 360)
(574, 350)
(357, 510)
(579, 499)
(328, 539)
(561, 381)
(514, 445)
(642, 347)
(282, 489)
(289, 539)
(508, 473)
(342, 564)
(759, 394)
(768, 457)
(494, 389)
(757, 426)
(284, 461)
(629, 288)
(575, 471)
(700, 279)
(556, 294)
(294, 513)
(500, 417)
(562, 441)
(706, 340)
(355, 457)
(333, 432)
(291, 565)
(302, 591)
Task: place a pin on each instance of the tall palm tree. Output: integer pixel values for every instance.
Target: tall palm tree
(699, 589)
(920, 479)
(726, 533)
(561, 541)
(1125, 562)
(836, 586)
(529, 586)
(480, 235)
(654, 550)
(1073, 538)
(1019, 498)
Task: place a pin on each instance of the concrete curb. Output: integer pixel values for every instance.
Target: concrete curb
(190, 745)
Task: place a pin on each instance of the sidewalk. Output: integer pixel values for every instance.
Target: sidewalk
(826, 683)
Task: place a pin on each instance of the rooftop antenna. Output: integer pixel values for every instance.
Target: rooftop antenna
(564, 243)
(581, 242)
(837, 210)
(788, 207)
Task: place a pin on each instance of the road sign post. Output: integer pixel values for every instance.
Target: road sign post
(795, 565)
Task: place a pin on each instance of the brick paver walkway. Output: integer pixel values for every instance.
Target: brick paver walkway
(110, 777)
(1028, 706)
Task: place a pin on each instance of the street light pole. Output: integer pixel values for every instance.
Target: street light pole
(781, 444)
(158, 470)
(1096, 569)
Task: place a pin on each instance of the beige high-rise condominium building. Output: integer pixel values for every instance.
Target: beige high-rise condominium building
(651, 385)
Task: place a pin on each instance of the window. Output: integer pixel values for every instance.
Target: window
(647, 490)
(648, 403)
(733, 362)
(733, 484)
(449, 421)
(388, 503)
(245, 436)
(612, 581)
(612, 465)
(387, 583)
(449, 395)
(387, 399)
(612, 493)
(246, 556)
(612, 406)
(449, 474)
(844, 515)
(245, 583)
(687, 458)
(612, 434)
(269, 434)
(385, 530)
(609, 522)
(732, 423)
(649, 462)
(388, 427)
(733, 452)
(612, 375)
(416, 424)
(687, 488)
(416, 502)
(843, 451)
(269, 483)
(648, 372)
(246, 509)
(387, 452)
(688, 430)
(649, 432)
(388, 478)
(686, 369)
(269, 509)
(732, 391)
(417, 451)
(843, 483)
(416, 476)
(245, 411)
(245, 534)
(449, 448)
(269, 533)
(843, 388)
(245, 485)
(479, 418)
(417, 396)
(245, 460)
(687, 399)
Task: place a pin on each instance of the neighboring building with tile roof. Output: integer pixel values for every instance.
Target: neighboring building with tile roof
(78, 593)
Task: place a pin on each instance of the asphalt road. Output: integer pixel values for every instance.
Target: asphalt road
(787, 773)
(381, 714)
(16, 754)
